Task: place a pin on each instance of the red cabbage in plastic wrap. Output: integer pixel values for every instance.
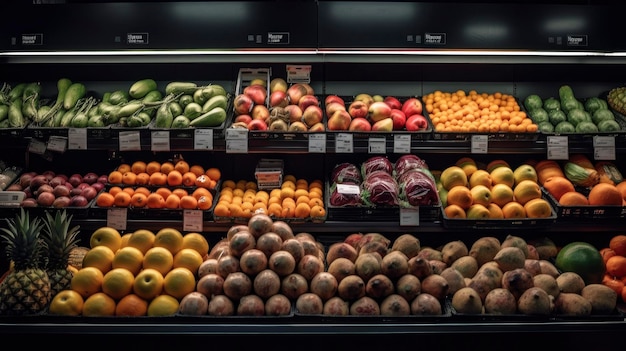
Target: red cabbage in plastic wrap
(346, 172)
(408, 162)
(418, 188)
(376, 163)
(380, 188)
(346, 198)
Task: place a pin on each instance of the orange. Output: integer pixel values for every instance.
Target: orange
(66, 303)
(172, 201)
(155, 201)
(179, 282)
(105, 199)
(115, 177)
(229, 183)
(301, 192)
(174, 178)
(304, 199)
(129, 257)
(454, 211)
(189, 178)
(526, 190)
(287, 192)
(124, 167)
(163, 305)
(514, 209)
(249, 185)
(163, 191)
(316, 202)
(143, 190)
(607, 253)
(616, 266)
(605, 194)
(153, 166)
(203, 181)
(99, 304)
(615, 284)
(122, 199)
(169, 238)
(288, 183)
(317, 211)
(197, 170)
(142, 178)
(138, 167)
(290, 178)
(188, 202)
(198, 192)
(259, 207)
(618, 244)
(180, 192)
(557, 186)
(167, 167)
(142, 239)
(501, 194)
(138, 200)
(302, 210)
(148, 284)
(129, 178)
(100, 257)
(461, 196)
(131, 305)
(538, 208)
(221, 210)
(182, 166)
(158, 258)
(158, 178)
(205, 202)
(621, 186)
(87, 281)
(188, 258)
(129, 190)
(114, 190)
(118, 283)
(495, 211)
(214, 173)
(573, 198)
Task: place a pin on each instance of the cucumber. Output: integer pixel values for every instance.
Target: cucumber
(66, 121)
(16, 119)
(17, 91)
(141, 88)
(192, 111)
(75, 92)
(4, 112)
(130, 108)
(80, 120)
(96, 121)
(180, 87)
(180, 122)
(118, 97)
(213, 118)
(215, 101)
(63, 84)
(163, 117)
(153, 96)
(31, 89)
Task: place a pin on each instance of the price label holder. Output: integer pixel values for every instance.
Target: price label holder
(344, 143)
(130, 141)
(377, 145)
(402, 144)
(409, 217)
(604, 147)
(37, 146)
(203, 139)
(192, 220)
(57, 144)
(558, 148)
(299, 74)
(11, 198)
(480, 144)
(116, 218)
(348, 189)
(236, 140)
(77, 139)
(317, 142)
(160, 140)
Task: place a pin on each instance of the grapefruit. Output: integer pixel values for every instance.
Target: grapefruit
(581, 258)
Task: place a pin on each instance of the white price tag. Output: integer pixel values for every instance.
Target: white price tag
(343, 143)
(558, 148)
(192, 220)
(236, 140)
(57, 143)
(604, 147)
(203, 139)
(77, 139)
(116, 218)
(130, 141)
(402, 143)
(480, 144)
(317, 142)
(160, 140)
(377, 145)
(409, 216)
(37, 146)
(348, 189)
(299, 74)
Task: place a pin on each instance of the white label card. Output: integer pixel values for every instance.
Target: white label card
(558, 148)
(377, 145)
(343, 143)
(57, 143)
(604, 147)
(116, 218)
(298, 73)
(37, 146)
(192, 220)
(349, 189)
(203, 139)
(317, 142)
(130, 141)
(77, 139)
(409, 216)
(160, 140)
(480, 144)
(236, 140)
(402, 143)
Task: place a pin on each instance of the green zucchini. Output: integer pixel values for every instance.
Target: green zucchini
(215, 101)
(75, 92)
(192, 110)
(145, 117)
(118, 97)
(106, 96)
(63, 85)
(215, 89)
(29, 107)
(180, 87)
(17, 91)
(16, 119)
(163, 117)
(141, 88)
(153, 96)
(213, 118)
(42, 113)
(4, 112)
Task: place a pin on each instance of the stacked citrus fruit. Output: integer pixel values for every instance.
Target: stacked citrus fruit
(168, 173)
(141, 273)
(614, 257)
(295, 198)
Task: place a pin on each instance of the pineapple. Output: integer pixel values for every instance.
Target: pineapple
(60, 240)
(26, 289)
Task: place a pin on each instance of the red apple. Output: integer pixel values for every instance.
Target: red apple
(257, 93)
(360, 124)
(399, 119)
(358, 108)
(257, 124)
(384, 125)
(334, 98)
(295, 113)
(317, 127)
(340, 120)
(378, 111)
(260, 112)
(333, 106)
(243, 104)
(312, 115)
(416, 122)
(393, 102)
(243, 118)
(279, 98)
(295, 92)
(308, 100)
(412, 106)
(89, 193)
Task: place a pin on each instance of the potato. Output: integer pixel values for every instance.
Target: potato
(517, 281)
(572, 304)
(436, 285)
(603, 299)
(437, 266)
(515, 241)
(547, 283)
(455, 279)
(466, 265)
(548, 268)
(570, 282)
(532, 266)
(466, 300)
(395, 305)
(428, 253)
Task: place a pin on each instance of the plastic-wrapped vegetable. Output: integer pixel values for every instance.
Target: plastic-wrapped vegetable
(345, 173)
(380, 188)
(345, 194)
(408, 162)
(418, 188)
(376, 163)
